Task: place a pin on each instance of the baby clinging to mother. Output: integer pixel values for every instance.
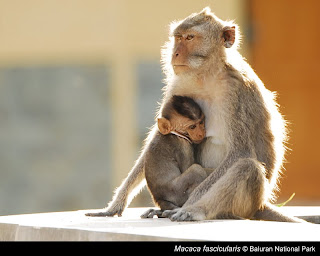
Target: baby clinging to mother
(244, 129)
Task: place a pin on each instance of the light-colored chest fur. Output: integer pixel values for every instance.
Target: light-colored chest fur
(211, 97)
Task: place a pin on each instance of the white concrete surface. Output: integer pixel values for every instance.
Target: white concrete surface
(75, 226)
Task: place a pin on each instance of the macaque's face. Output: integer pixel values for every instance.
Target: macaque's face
(186, 55)
(193, 129)
(197, 41)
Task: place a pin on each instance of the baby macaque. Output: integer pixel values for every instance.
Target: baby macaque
(170, 169)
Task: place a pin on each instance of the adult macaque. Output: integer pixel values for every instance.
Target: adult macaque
(170, 168)
(245, 131)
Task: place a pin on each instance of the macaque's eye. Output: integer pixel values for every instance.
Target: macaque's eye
(201, 122)
(190, 37)
(192, 127)
(178, 37)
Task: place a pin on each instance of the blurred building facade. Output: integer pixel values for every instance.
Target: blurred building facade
(79, 86)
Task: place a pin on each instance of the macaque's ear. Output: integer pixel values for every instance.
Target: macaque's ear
(229, 36)
(164, 125)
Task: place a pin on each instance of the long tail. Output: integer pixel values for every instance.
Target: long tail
(271, 213)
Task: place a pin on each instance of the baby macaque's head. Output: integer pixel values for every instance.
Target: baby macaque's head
(183, 116)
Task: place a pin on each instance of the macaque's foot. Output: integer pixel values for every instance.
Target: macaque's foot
(108, 212)
(151, 213)
(185, 214)
(170, 213)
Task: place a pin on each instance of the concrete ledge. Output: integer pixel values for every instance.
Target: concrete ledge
(75, 226)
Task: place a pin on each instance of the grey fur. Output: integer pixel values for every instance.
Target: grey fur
(171, 172)
(253, 149)
(246, 133)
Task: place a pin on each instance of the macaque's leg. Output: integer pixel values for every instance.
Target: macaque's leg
(190, 179)
(239, 192)
(179, 188)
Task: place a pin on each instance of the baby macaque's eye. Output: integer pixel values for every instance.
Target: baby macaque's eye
(201, 122)
(192, 127)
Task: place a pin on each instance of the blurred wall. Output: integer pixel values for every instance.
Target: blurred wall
(80, 81)
(79, 85)
(285, 54)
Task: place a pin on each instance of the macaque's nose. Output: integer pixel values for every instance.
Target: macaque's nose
(179, 50)
(201, 136)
